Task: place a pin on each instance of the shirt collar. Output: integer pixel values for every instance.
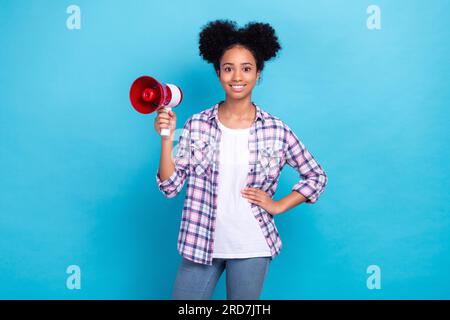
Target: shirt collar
(215, 111)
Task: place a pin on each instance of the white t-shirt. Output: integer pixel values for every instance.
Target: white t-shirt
(237, 233)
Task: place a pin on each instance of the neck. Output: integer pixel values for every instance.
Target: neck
(238, 109)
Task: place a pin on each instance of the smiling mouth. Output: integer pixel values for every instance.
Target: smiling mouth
(237, 88)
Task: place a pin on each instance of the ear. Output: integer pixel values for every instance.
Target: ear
(218, 72)
(258, 74)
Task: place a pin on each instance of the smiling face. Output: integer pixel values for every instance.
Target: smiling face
(238, 74)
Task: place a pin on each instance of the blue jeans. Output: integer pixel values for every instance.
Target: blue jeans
(245, 278)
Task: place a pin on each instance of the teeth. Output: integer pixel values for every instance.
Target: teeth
(238, 87)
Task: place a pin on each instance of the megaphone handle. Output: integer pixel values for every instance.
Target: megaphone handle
(165, 132)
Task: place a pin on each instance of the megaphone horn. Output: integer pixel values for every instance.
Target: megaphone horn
(148, 95)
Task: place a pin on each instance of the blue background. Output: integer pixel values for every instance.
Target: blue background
(78, 164)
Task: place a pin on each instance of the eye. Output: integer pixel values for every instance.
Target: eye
(247, 69)
(227, 69)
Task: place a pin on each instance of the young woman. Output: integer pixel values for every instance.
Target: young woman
(231, 155)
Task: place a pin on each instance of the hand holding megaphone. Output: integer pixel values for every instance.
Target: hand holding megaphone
(148, 95)
(165, 121)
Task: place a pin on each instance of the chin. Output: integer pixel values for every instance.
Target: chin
(237, 96)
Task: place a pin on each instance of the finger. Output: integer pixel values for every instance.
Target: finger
(256, 196)
(254, 201)
(163, 121)
(252, 197)
(167, 112)
(247, 193)
(167, 119)
(250, 191)
(170, 115)
(163, 116)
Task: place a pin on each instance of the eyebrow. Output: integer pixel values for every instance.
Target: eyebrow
(233, 63)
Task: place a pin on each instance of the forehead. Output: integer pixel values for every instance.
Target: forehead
(238, 55)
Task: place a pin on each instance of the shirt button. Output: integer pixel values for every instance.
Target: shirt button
(260, 220)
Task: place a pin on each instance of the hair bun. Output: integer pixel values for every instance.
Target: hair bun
(216, 36)
(261, 37)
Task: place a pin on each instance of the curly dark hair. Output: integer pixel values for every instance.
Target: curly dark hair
(220, 35)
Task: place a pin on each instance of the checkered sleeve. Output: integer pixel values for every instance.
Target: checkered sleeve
(313, 177)
(173, 185)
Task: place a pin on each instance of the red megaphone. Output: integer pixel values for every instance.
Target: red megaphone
(148, 95)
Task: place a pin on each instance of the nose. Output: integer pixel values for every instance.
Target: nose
(237, 76)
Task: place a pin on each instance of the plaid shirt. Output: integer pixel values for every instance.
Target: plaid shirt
(272, 144)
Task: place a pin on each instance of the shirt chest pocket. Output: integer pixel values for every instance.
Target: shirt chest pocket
(270, 159)
(201, 157)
